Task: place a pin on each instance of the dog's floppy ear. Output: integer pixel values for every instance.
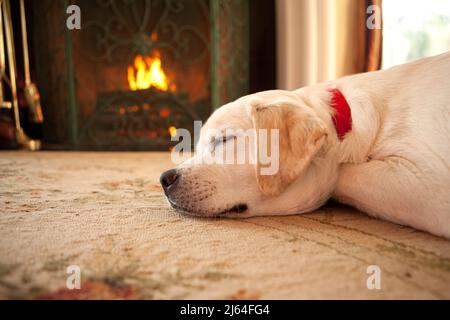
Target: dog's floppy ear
(301, 135)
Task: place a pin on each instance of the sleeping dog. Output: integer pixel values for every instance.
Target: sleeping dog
(378, 141)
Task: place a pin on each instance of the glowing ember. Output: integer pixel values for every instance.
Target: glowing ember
(147, 72)
(172, 131)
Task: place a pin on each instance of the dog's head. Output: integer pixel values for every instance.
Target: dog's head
(258, 155)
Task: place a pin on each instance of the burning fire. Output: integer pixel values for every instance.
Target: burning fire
(148, 72)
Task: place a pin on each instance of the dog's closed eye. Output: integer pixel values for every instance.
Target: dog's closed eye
(215, 141)
(224, 139)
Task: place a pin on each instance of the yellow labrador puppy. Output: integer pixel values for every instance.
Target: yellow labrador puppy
(379, 141)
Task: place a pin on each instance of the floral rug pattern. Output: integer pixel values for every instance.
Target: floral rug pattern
(106, 214)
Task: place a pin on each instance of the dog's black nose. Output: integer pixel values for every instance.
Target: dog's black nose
(168, 178)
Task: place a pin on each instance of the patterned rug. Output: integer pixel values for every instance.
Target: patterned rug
(104, 215)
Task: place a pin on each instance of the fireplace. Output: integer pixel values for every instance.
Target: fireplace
(137, 70)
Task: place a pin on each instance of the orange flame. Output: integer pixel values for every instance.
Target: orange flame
(147, 72)
(172, 131)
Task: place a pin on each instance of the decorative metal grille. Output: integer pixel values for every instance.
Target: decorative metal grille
(203, 47)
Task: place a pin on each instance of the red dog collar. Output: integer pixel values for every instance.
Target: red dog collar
(342, 117)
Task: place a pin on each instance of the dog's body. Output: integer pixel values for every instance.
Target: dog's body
(393, 164)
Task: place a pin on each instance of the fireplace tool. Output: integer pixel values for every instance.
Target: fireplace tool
(33, 99)
(31, 91)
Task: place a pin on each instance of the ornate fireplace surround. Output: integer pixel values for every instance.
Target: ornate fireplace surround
(202, 52)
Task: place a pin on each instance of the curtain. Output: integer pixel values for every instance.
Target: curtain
(319, 40)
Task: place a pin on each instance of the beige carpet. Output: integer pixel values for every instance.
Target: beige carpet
(106, 213)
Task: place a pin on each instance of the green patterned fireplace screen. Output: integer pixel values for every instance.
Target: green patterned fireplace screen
(137, 69)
